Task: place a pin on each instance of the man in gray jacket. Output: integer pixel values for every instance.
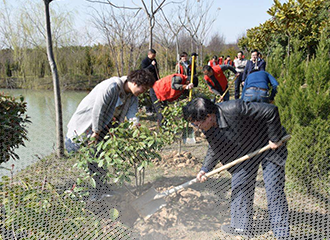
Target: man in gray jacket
(114, 98)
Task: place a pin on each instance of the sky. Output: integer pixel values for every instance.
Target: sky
(233, 18)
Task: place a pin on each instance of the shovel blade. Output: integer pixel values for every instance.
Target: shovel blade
(146, 205)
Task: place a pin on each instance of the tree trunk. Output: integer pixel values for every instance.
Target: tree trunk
(150, 35)
(57, 93)
(122, 59)
(177, 48)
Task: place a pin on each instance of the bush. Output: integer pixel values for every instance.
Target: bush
(13, 123)
(304, 102)
(126, 149)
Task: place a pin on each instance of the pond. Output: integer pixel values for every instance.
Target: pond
(41, 132)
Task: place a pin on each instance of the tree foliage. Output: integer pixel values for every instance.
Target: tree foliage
(13, 126)
(295, 19)
(304, 104)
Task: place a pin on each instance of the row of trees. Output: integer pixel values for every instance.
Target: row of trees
(124, 33)
(302, 20)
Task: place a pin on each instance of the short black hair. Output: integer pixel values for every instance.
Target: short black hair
(183, 53)
(194, 54)
(207, 68)
(153, 51)
(240, 52)
(222, 56)
(141, 77)
(198, 109)
(228, 56)
(215, 57)
(255, 50)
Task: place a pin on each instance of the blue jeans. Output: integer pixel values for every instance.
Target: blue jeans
(256, 95)
(243, 187)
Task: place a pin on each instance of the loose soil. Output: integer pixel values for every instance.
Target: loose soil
(199, 211)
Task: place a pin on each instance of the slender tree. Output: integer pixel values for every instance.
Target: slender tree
(150, 12)
(56, 82)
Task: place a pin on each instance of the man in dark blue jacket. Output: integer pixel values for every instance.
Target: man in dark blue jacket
(254, 63)
(234, 129)
(256, 87)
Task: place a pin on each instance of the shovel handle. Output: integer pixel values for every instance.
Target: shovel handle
(192, 76)
(245, 157)
(220, 169)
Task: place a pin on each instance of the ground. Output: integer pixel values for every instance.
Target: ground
(199, 211)
(196, 212)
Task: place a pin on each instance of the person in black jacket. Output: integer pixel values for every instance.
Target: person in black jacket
(150, 63)
(254, 63)
(234, 129)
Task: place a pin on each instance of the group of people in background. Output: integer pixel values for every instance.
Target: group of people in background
(255, 87)
(232, 128)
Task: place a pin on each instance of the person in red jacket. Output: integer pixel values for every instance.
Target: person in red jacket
(216, 79)
(214, 61)
(169, 89)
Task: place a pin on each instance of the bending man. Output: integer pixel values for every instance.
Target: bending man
(112, 98)
(234, 129)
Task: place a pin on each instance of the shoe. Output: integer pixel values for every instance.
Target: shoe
(236, 231)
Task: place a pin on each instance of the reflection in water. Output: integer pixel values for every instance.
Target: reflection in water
(41, 132)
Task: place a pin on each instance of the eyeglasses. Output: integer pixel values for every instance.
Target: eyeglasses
(197, 124)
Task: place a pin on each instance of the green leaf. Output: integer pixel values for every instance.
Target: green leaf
(100, 164)
(114, 214)
(93, 183)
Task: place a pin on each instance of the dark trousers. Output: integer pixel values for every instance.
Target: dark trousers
(238, 82)
(243, 187)
(158, 105)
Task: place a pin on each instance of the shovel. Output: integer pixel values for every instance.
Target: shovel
(151, 201)
(229, 86)
(189, 135)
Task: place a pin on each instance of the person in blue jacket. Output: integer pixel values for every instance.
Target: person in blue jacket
(257, 85)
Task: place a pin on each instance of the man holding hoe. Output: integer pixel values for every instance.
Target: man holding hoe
(216, 79)
(234, 129)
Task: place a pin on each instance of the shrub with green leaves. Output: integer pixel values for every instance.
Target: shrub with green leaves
(125, 152)
(13, 126)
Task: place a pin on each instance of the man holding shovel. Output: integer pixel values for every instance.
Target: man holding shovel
(216, 79)
(170, 88)
(236, 128)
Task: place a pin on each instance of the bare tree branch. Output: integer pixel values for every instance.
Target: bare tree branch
(114, 5)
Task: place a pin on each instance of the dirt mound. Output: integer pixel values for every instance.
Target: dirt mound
(177, 160)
